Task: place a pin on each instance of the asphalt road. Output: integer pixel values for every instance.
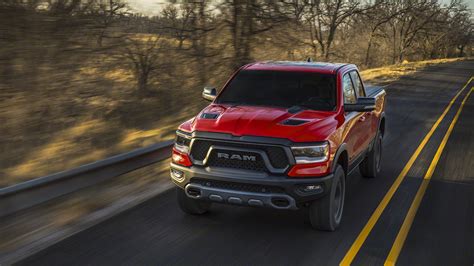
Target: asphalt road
(158, 233)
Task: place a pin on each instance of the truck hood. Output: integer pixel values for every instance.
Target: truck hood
(303, 126)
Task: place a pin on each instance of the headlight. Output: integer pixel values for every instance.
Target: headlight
(182, 142)
(311, 154)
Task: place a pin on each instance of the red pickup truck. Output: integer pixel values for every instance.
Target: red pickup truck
(283, 135)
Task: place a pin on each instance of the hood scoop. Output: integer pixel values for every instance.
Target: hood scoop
(293, 122)
(209, 115)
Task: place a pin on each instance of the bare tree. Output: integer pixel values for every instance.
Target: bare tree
(461, 27)
(177, 21)
(146, 54)
(245, 20)
(415, 19)
(324, 17)
(107, 13)
(376, 19)
(201, 26)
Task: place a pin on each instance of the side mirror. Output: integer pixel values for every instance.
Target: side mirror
(363, 104)
(209, 93)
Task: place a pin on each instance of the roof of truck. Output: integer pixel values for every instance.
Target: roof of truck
(319, 67)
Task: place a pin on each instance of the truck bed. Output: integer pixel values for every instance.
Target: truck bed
(372, 90)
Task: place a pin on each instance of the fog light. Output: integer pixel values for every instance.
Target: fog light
(177, 175)
(311, 189)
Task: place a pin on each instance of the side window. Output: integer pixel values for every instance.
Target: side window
(348, 89)
(357, 84)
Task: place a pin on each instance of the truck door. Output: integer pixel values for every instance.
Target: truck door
(354, 130)
(367, 118)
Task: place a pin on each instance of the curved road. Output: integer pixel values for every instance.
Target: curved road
(158, 233)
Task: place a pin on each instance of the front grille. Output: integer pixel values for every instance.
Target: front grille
(237, 186)
(277, 157)
(276, 154)
(257, 165)
(200, 149)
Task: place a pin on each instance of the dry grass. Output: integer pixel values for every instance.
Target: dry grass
(383, 75)
(97, 116)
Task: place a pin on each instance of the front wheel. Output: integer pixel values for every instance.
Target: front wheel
(370, 166)
(191, 206)
(326, 214)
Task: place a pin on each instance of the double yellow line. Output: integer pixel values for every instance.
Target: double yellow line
(395, 251)
(402, 234)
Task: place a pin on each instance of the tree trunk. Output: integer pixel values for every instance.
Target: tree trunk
(330, 38)
(236, 36)
(326, 53)
(180, 43)
(367, 52)
(100, 39)
(143, 82)
(247, 34)
(401, 55)
(312, 33)
(394, 47)
(202, 43)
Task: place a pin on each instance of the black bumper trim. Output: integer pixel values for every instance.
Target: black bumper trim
(290, 186)
(241, 197)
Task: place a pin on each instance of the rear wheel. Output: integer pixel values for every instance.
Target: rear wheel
(326, 214)
(370, 166)
(191, 206)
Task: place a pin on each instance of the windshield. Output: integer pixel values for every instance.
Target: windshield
(282, 89)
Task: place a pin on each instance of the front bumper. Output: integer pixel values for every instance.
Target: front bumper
(249, 188)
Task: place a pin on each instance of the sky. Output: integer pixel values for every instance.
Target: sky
(147, 7)
(153, 7)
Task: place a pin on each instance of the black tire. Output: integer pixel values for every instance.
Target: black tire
(326, 214)
(370, 166)
(191, 206)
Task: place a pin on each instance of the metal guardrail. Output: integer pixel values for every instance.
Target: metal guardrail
(30, 193)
